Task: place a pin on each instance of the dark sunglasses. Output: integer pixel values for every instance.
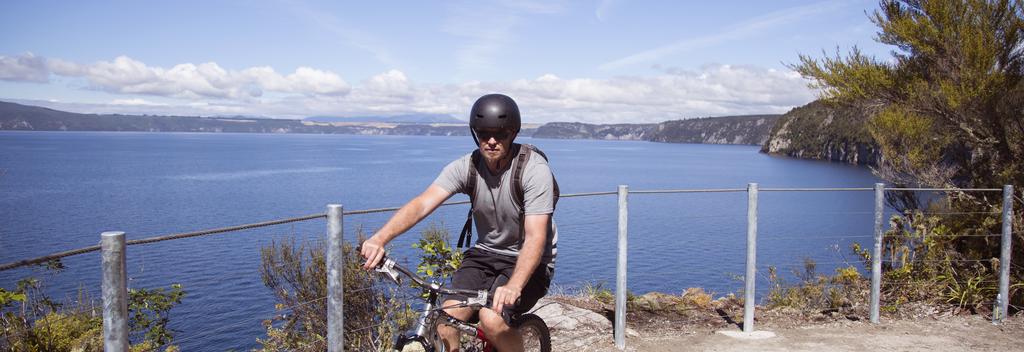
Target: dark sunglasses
(499, 135)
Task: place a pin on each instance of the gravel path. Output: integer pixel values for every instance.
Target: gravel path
(577, 329)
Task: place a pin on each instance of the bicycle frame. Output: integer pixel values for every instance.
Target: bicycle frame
(426, 330)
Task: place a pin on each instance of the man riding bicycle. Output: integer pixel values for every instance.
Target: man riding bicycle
(513, 197)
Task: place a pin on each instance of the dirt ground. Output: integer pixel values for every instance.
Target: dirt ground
(946, 334)
(934, 333)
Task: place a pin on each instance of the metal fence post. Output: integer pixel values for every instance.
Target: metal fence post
(1003, 300)
(620, 277)
(115, 292)
(876, 254)
(749, 300)
(335, 280)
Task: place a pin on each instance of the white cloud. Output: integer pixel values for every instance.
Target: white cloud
(312, 81)
(135, 102)
(24, 68)
(711, 91)
(391, 82)
(209, 89)
(740, 30)
(189, 81)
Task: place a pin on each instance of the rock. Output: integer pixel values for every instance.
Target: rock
(568, 317)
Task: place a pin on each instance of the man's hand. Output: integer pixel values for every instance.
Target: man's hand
(373, 250)
(503, 295)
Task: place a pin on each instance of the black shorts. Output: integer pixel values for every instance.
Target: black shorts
(483, 270)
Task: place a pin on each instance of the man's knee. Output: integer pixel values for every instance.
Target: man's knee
(461, 313)
(449, 334)
(492, 322)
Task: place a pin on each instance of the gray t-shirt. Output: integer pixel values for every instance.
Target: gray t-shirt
(495, 213)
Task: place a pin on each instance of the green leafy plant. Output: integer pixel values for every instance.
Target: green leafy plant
(814, 291)
(32, 321)
(438, 259)
(150, 312)
(597, 291)
(8, 298)
(925, 254)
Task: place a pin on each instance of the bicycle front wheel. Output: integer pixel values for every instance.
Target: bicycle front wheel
(536, 336)
(415, 344)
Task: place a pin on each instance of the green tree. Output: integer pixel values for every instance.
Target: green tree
(948, 106)
(947, 110)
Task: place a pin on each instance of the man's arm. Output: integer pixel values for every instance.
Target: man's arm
(410, 214)
(536, 228)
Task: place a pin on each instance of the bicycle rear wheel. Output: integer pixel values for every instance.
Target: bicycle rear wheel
(536, 336)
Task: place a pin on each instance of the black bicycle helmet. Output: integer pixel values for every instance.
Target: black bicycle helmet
(494, 111)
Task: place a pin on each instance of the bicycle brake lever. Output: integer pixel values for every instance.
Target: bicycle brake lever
(388, 267)
(480, 299)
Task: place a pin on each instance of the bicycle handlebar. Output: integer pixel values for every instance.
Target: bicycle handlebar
(391, 268)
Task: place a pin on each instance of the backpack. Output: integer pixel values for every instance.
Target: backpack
(518, 193)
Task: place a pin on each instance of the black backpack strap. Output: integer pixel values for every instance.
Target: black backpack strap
(466, 237)
(525, 151)
(554, 182)
(518, 192)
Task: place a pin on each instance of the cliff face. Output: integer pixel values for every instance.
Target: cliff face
(822, 131)
(752, 130)
(576, 130)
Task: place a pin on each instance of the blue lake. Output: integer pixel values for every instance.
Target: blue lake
(60, 190)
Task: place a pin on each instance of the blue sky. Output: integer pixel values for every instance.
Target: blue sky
(600, 61)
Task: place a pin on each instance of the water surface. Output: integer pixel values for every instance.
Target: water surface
(60, 190)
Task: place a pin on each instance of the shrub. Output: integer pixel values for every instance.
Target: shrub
(297, 274)
(38, 323)
(931, 259)
(597, 292)
(374, 311)
(697, 298)
(814, 291)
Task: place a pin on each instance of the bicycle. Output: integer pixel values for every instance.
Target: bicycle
(536, 336)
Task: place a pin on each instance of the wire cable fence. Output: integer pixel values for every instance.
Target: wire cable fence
(154, 239)
(753, 272)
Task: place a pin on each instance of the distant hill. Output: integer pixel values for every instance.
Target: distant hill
(33, 118)
(400, 119)
(728, 130)
(578, 130)
(752, 129)
(813, 131)
(747, 129)
(822, 131)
